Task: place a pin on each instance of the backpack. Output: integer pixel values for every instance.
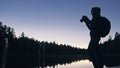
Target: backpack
(105, 27)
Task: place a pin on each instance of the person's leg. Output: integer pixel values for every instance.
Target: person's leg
(99, 56)
(92, 51)
(92, 54)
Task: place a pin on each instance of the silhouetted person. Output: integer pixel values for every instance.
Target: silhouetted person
(99, 27)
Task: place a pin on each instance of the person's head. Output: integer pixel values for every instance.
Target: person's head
(95, 11)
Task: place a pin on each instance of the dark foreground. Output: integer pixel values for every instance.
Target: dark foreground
(27, 61)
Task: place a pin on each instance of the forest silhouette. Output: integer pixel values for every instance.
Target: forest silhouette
(27, 49)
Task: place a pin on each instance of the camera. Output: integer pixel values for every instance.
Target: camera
(84, 18)
(81, 20)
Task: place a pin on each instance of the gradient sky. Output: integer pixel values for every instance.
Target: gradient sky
(57, 20)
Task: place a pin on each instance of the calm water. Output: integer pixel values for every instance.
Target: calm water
(77, 64)
(56, 62)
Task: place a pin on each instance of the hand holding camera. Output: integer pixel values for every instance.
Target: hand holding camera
(83, 19)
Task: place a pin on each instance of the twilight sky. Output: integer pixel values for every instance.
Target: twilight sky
(57, 20)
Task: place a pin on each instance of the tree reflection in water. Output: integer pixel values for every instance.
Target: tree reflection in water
(53, 61)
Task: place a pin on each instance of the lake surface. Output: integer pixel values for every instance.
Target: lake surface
(76, 64)
(75, 61)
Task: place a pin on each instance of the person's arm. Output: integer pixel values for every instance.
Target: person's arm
(87, 21)
(88, 24)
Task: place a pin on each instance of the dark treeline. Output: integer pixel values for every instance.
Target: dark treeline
(25, 50)
(110, 51)
(25, 45)
(111, 46)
